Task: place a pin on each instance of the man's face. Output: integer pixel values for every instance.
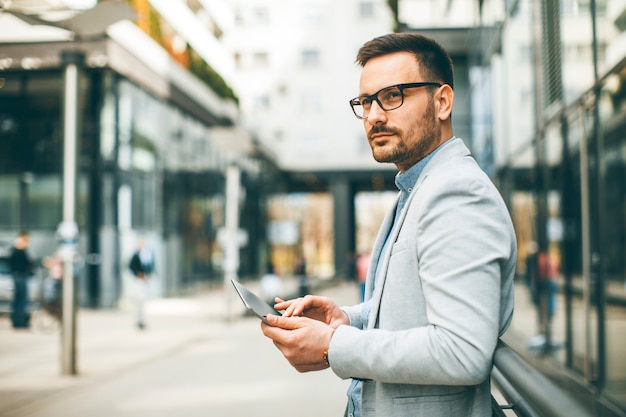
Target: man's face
(22, 241)
(405, 135)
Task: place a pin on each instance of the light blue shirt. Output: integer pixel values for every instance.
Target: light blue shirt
(405, 181)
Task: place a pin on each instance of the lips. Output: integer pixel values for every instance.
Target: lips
(379, 137)
(380, 133)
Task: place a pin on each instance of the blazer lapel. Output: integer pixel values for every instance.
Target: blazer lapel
(380, 241)
(384, 230)
(455, 148)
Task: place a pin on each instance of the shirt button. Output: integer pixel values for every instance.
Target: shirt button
(410, 189)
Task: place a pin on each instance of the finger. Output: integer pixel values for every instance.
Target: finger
(304, 303)
(281, 304)
(289, 307)
(269, 330)
(289, 310)
(285, 323)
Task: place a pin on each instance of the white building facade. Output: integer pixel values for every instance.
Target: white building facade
(295, 73)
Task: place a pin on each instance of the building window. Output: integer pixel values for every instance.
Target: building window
(366, 9)
(238, 17)
(261, 102)
(282, 89)
(311, 102)
(310, 58)
(582, 7)
(260, 60)
(261, 15)
(312, 16)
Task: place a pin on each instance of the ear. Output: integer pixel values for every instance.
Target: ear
(444, 99)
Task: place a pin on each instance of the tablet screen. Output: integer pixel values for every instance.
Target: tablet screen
(252, 302)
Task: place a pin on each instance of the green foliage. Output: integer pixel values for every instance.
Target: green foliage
(206, 74)
(197, 66)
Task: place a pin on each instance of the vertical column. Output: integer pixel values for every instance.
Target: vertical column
(68, 229)
(95, 201)
(231, 243)
(344, 224)
(598, 271)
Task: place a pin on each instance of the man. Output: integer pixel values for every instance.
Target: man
(141, 265)
(21, 269)
(439, 290)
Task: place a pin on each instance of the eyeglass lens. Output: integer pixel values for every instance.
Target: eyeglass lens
(389, 98)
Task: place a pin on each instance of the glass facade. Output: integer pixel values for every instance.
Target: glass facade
(559, 157)
(146, 168)
(30, 138)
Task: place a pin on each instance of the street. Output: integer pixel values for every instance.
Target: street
(195, 364)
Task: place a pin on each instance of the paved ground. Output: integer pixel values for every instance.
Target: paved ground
(191, 361)
(199, 356)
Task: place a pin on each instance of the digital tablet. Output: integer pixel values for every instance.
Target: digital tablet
(254, 303)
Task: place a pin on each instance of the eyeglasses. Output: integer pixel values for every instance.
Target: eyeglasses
(388, 98)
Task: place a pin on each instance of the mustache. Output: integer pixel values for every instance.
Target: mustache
(381, 129)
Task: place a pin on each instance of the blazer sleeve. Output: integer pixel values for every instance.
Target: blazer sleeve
(355, 315)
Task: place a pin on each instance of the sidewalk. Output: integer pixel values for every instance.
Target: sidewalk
(108, 343)
(109, 346)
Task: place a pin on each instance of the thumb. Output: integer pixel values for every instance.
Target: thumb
(287, 323)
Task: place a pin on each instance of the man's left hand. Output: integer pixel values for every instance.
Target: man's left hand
(301, 340)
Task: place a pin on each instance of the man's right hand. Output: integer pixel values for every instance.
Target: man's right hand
(315, 307)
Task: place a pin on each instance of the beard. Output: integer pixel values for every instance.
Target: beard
(417, 142)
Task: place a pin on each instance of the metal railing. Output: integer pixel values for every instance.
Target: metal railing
(530, 393)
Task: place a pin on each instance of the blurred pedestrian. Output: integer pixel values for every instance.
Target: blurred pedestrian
(351, 266)
(53, 285)
(545, 300)
(532, 271)
(362, 265)
(548, 274)
(271, 285)
(301, 276)
(440, 289)
(142, 266)
(22, 269)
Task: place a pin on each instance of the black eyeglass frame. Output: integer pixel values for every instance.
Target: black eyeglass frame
(357, 101)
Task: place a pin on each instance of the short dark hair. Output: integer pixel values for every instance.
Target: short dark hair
(436, 64)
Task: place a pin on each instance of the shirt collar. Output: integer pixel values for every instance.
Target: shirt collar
(406, 180)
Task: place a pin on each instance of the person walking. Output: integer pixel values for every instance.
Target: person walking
(271, 284)
(22, 269)
(301, 275)
(439, 289)
(53, 285)
(142, 266)
(548, 271)
(362, 263)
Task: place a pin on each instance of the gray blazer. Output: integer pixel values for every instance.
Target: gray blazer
(446, 297)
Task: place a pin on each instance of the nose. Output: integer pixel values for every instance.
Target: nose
(376, 114)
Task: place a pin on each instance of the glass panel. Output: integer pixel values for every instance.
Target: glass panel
(580, 348)
(144, 201)
(9, 201)
(45, 202)
(31, 139)
(107, 120)
(30, 123)
(613, 225)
